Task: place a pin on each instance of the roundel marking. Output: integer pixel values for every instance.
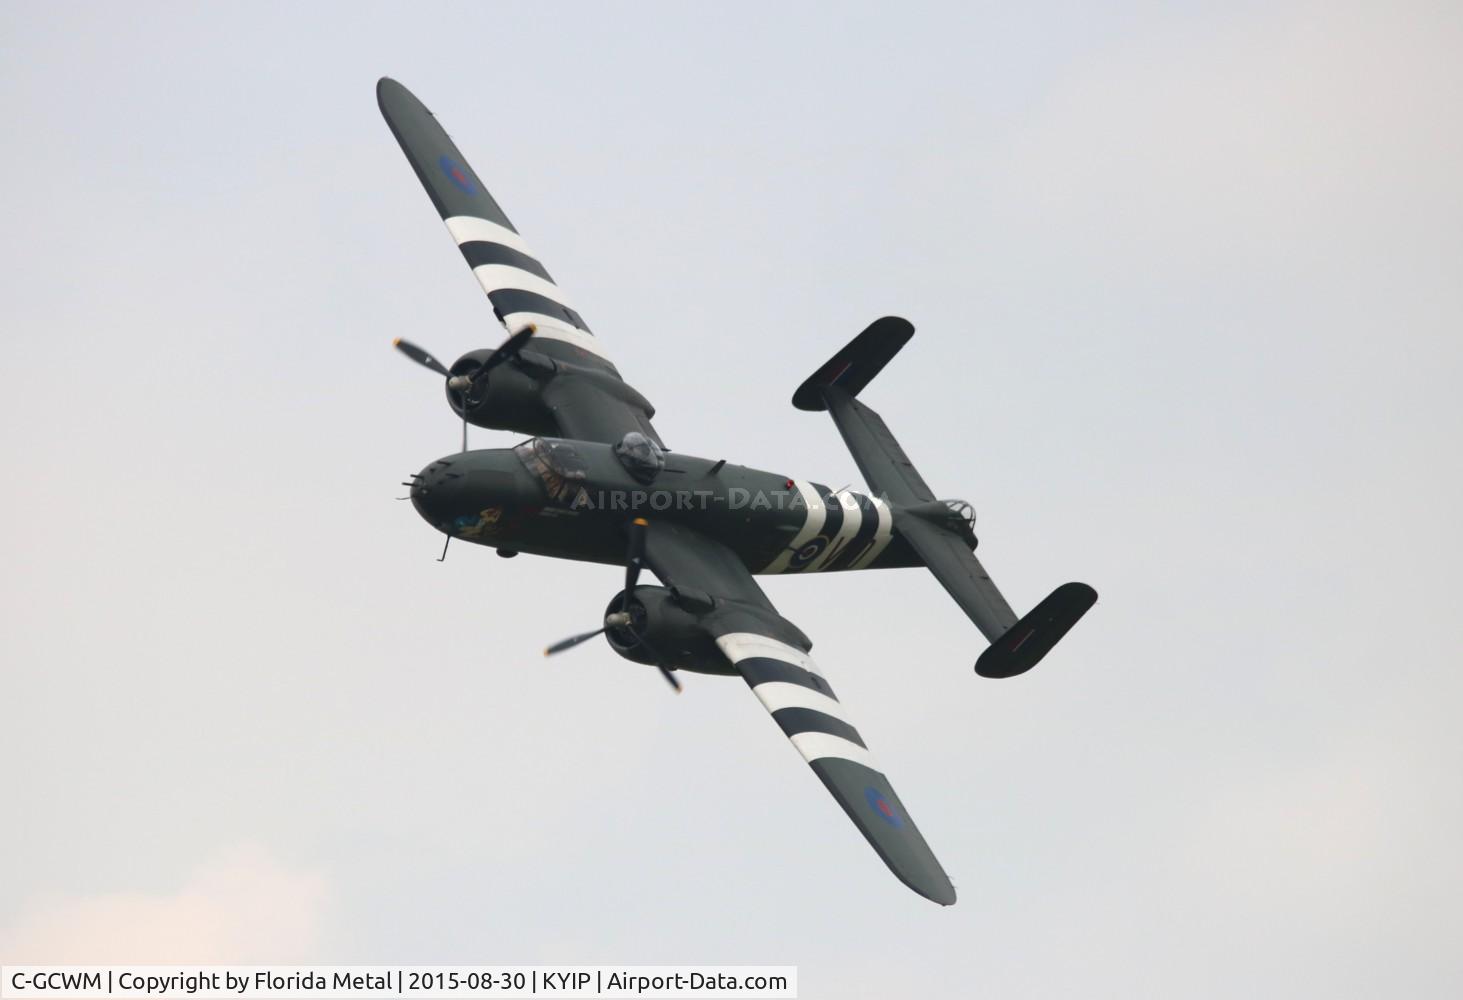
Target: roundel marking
(810, 550)
(882, 808)
(457, 175)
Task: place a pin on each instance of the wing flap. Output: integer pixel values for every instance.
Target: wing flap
(585, 412)
(685, 558)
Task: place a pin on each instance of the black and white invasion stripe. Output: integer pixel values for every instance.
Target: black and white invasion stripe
(841, 530)
(518, 285)
(800, 701)
(867, 518)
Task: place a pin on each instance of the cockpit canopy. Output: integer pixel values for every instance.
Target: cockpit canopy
(640, 456)
(557, 465)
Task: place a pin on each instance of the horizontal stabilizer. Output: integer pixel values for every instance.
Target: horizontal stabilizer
(959, 572)
(940, 533)
(855, 366)
(1025, 643)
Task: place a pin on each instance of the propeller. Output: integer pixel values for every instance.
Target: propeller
(420, 356)
(618, 619)
(467, 382)
(623, 618)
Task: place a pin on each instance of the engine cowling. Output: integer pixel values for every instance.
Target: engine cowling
(506, 398)
(673, 632)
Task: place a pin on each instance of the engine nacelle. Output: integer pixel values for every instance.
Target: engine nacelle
(506, 399)
(510, 397)
(666, 627)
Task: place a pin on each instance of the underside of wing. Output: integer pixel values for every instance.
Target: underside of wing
(520, 288)
(580, 386)
(584, 411)
(771, 656)
(801, 702)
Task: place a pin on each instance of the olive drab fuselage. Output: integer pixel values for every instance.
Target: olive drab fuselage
(571, 500)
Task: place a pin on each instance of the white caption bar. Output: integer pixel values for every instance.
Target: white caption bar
(358, 982)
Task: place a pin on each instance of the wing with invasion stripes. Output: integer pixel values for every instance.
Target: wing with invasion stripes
(586, 395)
(588, 399)
(518, 285)
(770, 654)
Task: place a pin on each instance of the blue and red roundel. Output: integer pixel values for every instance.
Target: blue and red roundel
(882, 807)
(457, 174)
(810, 551)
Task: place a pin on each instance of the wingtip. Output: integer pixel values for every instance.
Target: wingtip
(393, 96)
(942, 894)
(929, 886)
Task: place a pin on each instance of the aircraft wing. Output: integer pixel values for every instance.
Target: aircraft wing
(771, 655)
(520, 288)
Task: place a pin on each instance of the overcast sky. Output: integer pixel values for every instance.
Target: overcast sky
(1188, 281)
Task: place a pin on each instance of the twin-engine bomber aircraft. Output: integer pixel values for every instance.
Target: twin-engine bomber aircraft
(595, 483)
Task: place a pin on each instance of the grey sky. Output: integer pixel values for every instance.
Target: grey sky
(1187, 285)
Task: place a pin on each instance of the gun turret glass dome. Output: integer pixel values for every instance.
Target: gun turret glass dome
(640, 456)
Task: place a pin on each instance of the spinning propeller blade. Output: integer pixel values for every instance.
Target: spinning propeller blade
(634, 558)
(616, 620)
(573, 641)
(509, 348)
(670, 677)
(420, 356)
(467, 382)
(624, 619)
